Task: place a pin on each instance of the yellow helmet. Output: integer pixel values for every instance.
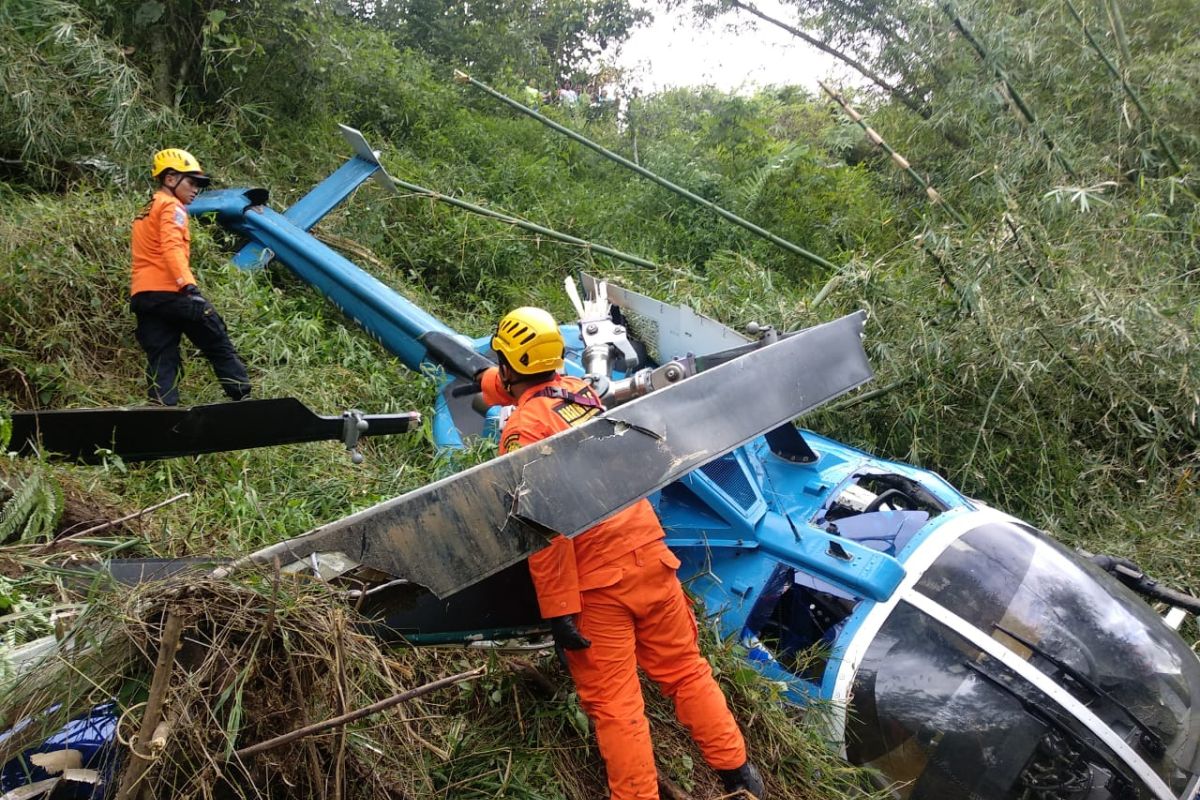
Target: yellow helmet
(180, 161)
(530, 341)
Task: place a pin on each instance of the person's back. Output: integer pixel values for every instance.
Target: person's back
(611, 594)
(161, 245)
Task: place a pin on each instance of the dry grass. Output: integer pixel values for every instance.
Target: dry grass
(267, 654)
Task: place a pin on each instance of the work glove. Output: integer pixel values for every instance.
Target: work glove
(200, 307)
(566, 634)
(567, 637)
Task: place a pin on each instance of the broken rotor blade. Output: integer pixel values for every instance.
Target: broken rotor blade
(463, 528)
(151, 432)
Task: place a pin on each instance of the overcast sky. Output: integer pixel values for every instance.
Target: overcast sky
(673, 51)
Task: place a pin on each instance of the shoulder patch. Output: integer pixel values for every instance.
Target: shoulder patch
(511, 442)
(180, 217)
(575, 414)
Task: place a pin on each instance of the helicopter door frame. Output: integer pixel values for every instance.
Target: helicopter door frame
(866, 621)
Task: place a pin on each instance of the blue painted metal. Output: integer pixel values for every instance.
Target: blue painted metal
(308, 211)
(384, 313)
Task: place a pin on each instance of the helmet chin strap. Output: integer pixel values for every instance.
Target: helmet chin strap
(506, 374)
(169, 187)
(172, 189)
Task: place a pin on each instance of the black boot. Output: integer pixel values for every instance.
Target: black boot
(745, 779)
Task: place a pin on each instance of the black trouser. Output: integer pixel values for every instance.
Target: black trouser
(161, 318)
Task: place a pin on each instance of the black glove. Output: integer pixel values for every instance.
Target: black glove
(566, 634)
(200, 307)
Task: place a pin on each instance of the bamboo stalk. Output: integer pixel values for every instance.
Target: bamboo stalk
(530, 226)
(1129, 92)
(885, 27)
(1117, 22)
(351, 716)
(1015, 95)
(896, 92)
(900, 161)
(140, 762)
(462, 77)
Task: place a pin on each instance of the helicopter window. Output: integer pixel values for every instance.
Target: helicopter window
(938, 718)
(882, 511)
(1082, 628)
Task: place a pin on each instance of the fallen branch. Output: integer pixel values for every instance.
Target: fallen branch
(669, 789)
(531, 673)
(105, 525)
(351, 716)
(172, 630)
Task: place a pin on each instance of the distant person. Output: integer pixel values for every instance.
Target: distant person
(532, 96)
(163, 292)
(567, 94)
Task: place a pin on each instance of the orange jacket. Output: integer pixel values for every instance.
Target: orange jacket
(161, 246)
(569, 566)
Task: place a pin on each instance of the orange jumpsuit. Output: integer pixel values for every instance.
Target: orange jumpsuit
(619, 577)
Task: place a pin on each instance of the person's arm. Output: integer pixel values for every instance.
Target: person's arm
(172, 237)
(494, 393)
(555, 575)
(556, 579)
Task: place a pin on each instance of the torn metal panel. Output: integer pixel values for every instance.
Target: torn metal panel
(463, 528)
(673, 330)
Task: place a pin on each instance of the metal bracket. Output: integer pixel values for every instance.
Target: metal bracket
(603, 339)
(354, 425)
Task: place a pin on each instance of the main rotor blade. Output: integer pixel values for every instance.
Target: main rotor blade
(463, 528)
(151, 432)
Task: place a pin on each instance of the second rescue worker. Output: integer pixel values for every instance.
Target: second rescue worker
(611, 594)
(164, 296)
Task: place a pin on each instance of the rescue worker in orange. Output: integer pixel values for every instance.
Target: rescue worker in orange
(611, 594)
(163, 292)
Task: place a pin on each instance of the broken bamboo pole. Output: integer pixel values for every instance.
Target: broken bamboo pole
(525, 224)
(917, 108)
(935, 197)
(351, 716)
(462, 77)
(140, 761)
(110, 523)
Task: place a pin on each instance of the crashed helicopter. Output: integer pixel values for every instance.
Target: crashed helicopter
(963, 652)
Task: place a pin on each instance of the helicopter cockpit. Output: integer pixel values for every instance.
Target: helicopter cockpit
(1013, 668)
(798, 615)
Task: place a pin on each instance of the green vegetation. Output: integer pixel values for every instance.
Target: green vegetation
(1044, 356)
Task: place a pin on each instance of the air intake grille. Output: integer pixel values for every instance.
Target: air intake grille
(726, 472)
